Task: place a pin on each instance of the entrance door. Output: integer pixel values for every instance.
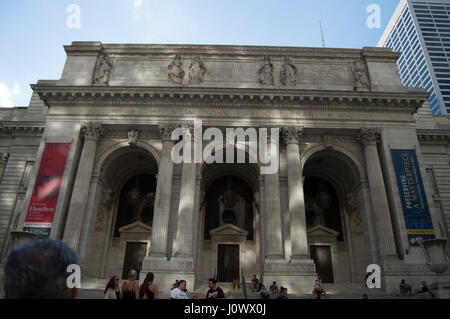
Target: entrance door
(134, 256)
(322, 258)
(227, 263)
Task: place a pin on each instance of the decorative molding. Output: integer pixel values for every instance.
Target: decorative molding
(408, 102)
(166, 130)
(328, 139)
(291, 135)
(370, 135)
(92, 131)
(433, 136)
(23, 130)
(132, 137)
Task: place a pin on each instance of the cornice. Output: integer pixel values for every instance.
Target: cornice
(17, 129)
(89, 48)
(433, 136)
(408, 101)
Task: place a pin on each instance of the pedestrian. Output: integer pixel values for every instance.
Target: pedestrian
(148, 290)
(112, 289)
(214, 292)
(130, 288)
(38, 270)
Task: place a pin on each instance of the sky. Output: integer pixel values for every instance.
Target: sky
(33, 32)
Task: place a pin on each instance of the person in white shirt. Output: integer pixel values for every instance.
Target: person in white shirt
(180, 291)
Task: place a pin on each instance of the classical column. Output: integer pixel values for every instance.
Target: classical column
(291, 137)
(160, 225)
(380, 207)
(3, 161)
(91, 132)
(274, 238)
(182, 247)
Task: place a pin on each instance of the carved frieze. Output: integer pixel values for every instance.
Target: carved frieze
(196, 71)
(361, 81)
(288, 73)
(266, 72)
(175, 70)
(103, 70)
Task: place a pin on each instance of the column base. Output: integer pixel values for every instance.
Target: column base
(297, 275)
(168, 271)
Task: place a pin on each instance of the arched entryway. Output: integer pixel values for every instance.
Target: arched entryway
(334, 204)
(229, 222)
(121, 237)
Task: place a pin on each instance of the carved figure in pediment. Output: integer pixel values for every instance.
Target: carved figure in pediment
(103, 70)
(360, 75)
(266, 72)
(288, 73)
(175, 70)
(196, 71)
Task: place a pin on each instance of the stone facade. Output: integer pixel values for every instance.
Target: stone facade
(341, 112)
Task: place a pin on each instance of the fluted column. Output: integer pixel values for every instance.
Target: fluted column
(274, 238)
(160, 225)
(4, 157)
(380, 208)
(91, 132)
(299, 240)
(185, 228)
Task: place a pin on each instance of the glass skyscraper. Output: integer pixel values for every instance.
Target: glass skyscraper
(420, 30)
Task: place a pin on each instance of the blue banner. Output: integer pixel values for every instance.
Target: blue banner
(412, 193)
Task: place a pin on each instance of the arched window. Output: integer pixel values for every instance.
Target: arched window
(229, 200)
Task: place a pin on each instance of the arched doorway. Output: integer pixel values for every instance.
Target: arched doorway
(229, 232)
(122, 233)
(333, 198)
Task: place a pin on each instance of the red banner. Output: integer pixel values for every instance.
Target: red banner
(43, 202)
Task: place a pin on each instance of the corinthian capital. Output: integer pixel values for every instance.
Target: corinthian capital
(3, 159)
(291, 134)
(369, 135)
(165, 130)
(92, 131)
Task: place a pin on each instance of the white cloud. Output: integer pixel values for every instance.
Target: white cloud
(6, 94)
(138, 3)
(16, 90)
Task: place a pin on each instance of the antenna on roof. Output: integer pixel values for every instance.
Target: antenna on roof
(323, 37)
